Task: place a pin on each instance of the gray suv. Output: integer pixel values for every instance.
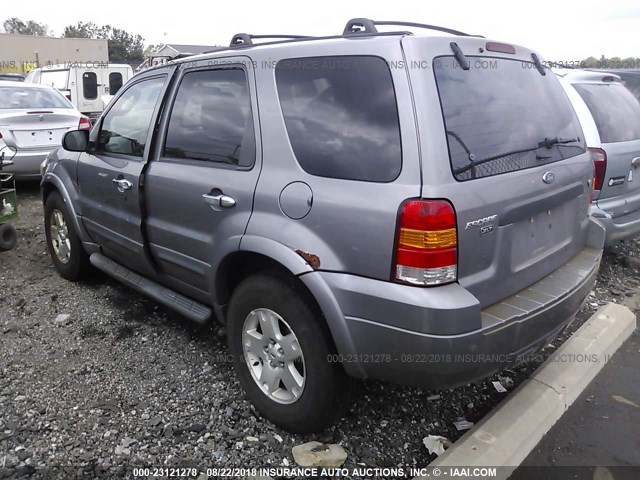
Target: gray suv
(370, 205)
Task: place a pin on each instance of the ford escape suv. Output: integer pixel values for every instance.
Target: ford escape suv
(610, 117)
(373, 204)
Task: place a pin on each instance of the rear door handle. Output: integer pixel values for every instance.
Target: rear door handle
(122, 184)
(221, 200)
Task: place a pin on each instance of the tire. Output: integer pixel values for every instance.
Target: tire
(327, 391)
(8, 237)
(77, 263)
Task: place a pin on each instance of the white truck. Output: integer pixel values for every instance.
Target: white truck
(88, 85)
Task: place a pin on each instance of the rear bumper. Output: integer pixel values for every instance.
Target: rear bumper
(26, 163)
(402, 334)
(624, 227)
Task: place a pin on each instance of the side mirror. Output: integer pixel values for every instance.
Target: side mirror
(76, 140)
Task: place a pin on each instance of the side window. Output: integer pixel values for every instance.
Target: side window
(341, 116)
(115, 82)
(90, 85)
(125, 127)
(211, 119)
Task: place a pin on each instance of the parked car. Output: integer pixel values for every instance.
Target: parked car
(89, 86)
(344, 214)
(11, 77)
(610, 118)
(33, 119)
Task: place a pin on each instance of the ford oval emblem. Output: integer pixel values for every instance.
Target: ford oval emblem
(548, 177)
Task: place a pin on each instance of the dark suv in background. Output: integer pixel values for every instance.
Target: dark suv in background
(366, 205)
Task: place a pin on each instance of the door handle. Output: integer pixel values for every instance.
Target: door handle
(221, 200)
(122, 184)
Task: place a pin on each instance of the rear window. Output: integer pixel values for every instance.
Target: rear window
(55, 78)
(503, 117)
(24, 97)
(341, 116)
(615, 110)
(631, 80)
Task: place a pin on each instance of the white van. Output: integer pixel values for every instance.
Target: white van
(88, 85)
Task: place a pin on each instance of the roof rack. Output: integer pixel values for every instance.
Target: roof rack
(240, 39)
(366, 25)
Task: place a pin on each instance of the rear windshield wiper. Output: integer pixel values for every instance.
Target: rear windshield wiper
(546, 143)
(550, 142)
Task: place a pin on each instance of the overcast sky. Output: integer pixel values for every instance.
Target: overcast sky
(560, 31)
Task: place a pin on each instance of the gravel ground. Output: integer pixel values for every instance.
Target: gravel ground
(123, 381)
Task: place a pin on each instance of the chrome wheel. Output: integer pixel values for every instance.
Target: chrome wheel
(59, 233)
(273, 355)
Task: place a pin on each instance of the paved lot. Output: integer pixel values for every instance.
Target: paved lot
(601, 429)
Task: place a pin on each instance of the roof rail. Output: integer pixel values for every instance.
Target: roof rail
(366, 25)
(240, 39)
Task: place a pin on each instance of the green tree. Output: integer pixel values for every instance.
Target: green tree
(149, 49)
(123, 46)
(613, 62)
(86, 30)
(31, 27)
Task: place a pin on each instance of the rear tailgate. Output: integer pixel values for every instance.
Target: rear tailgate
(521, 200)
(620, 194)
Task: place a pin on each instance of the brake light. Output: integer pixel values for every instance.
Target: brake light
(84, 124)
(500, 47)
(599, 158)
(426, 243)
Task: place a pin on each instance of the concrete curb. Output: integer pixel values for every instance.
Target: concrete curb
(508, 434)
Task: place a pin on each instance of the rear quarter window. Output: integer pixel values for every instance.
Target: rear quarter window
(615, 110)
(341, 116)
(498, 117)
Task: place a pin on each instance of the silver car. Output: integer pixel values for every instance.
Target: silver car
(33, 119)
(610, 118)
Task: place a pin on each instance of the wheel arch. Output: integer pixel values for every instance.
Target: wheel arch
(53, 183)
(260, 255)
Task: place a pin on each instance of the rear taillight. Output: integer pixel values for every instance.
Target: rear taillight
(85, 123)
(426, 243)
(599, 158)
